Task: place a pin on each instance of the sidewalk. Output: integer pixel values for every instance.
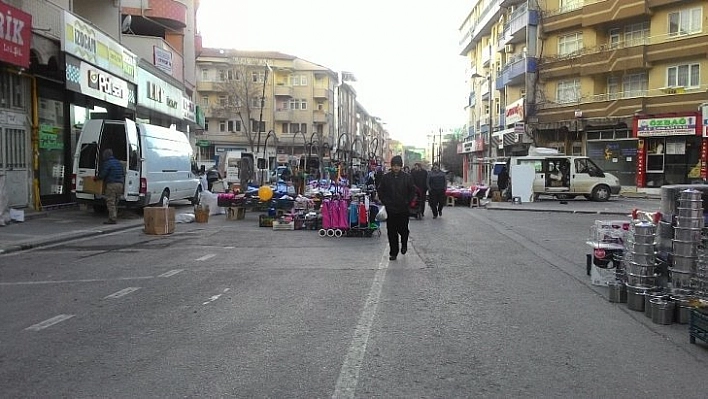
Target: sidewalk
(62, 225)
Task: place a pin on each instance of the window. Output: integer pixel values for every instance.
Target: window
(636, 34)
(303, 127)
(568, 91)
(285, 127)
(320, 106)
(206, 124)
(222, 126)
(612, 87)
(236, 126)
(614, 35)
(254, 125)
(685, 22)
(303, 105)
(205, 75)
(570, 44)
(635, 85)
(683, 75)
(297, 80)
(223, 101)
(222, 75)
(205, 101)
(294, 104)
(255, 102)
(258, 76)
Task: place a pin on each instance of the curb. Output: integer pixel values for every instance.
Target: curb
(63, 238)
(574, 211)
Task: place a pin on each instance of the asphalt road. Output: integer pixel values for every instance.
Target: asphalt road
(485, 304)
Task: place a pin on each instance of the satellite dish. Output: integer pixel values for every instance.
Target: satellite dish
(125, 26)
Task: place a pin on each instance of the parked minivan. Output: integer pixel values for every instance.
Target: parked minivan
(157, 161)
(566, 176)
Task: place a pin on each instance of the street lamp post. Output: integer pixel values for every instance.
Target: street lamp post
(260, 118)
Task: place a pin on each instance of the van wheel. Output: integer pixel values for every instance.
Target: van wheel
(197, 196)
(601, 193)
(164, 196)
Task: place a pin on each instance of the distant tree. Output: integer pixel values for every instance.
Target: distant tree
(241, 97)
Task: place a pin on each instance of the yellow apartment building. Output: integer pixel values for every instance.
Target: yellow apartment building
(622, 81)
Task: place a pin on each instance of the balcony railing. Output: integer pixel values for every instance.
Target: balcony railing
(322, 93)
(283, 115)
(282, 90)
(622, 95)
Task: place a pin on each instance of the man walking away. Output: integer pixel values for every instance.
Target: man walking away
(437, 184)
(113, 175)
(396, 191)
(420, 179)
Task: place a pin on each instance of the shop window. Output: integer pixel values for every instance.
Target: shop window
(655, 155)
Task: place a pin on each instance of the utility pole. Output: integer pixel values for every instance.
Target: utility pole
(260, 118)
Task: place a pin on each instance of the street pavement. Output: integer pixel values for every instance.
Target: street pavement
(62, 225)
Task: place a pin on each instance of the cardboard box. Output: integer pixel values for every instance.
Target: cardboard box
(92, 186)
(159, 220)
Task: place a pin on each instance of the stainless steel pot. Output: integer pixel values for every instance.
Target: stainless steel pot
(691, 223)
(662, 311)
(690, 194)
(641, 259)
(618, 292)
(639, 281)
(685, 248)
(635, 298)
(641, 238)
(692, 213)
(687, 234)
(648, 296)
(682, 307)
(639, 269)
(684, 263)
(643, 228)
(639, 248)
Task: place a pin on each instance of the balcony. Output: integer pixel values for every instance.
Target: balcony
(481, 27)
(486, 56)
(615, 59)
(598, 13)
(514, 72)
(666, 48)
(319, 116)
(205, 86)
(515, 30)
(322, 93)
(564, 18)
(219, 112)
(151, 13)
(283, 91)
(283, 115)
(144, 47)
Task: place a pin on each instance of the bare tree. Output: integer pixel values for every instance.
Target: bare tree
(243, 98)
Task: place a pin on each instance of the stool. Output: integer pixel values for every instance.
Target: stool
(474, 202)
(516, 200)
(496, 196)
(235, 213)
(450, 201)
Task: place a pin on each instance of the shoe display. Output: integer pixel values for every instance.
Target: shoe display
(391, 258)
(404, 249)
(109, 221)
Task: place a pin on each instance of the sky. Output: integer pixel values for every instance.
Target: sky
(404, 54)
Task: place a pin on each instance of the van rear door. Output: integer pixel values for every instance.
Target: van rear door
(86, 160)
(134, 166)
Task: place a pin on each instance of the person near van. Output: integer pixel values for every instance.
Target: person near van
(503, 182)
(420, 179)
(112, 173)
(437, 184)
(212, 177)
(396, 191)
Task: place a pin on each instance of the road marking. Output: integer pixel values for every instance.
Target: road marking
(90, 280)
(205, 257)
(123, 292)
(49, 322)
(171, 273)
(349, 374)
(215, 297)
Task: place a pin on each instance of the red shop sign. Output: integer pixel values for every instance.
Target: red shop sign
(15, 35)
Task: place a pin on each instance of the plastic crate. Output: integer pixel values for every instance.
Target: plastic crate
(698, 326)
(265, 221)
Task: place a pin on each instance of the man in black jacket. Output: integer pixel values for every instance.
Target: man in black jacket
(396, 191)
(420, 179)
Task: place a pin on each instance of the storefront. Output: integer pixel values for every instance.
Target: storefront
(15, 137)
(670, 150)
(614, 149)
(160, 98)
(473, 167)
(99, 82)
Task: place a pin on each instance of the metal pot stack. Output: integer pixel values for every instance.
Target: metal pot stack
(701, 281)
(640, 263)
(687, 237)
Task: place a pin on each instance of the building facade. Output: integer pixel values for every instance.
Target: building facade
(621, 81)
(84, 59)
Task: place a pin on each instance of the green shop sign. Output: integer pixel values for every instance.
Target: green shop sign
(49, 138)
(203, 143)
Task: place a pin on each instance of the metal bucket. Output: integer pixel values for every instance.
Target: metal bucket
(682, 308)
(685, 248)
(690, 223)
(690, 212)
(635, 299)
(687, 234)
(618, 292)
(662, 311)
(648, 296)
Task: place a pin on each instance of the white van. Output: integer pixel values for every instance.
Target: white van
(157, 161)
(566, 176)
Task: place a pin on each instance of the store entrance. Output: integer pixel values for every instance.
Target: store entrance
(673, 160)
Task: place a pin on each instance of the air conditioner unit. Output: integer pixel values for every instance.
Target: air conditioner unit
(509, 48)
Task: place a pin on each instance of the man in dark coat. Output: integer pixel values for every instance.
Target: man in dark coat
(437, 184)
(396, 191)
(420, 179)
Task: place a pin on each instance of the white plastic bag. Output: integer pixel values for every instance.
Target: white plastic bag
(382, 215)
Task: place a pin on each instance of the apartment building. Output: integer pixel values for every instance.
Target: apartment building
(66, 61)
(622, 81)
